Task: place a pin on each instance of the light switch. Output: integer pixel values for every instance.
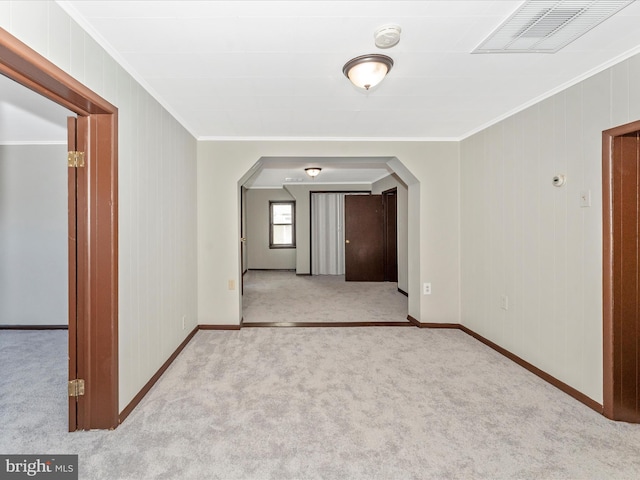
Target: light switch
(504, 302)
(585, 198)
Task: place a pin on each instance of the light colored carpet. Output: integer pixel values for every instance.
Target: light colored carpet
(33, 385)
(323, 403)
(282, 296)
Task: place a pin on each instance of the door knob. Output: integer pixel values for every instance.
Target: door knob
(347, 241)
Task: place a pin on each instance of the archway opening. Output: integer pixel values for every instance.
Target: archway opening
(286, 176)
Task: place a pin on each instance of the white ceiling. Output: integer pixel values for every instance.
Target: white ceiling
(273, 69)
(278, 171)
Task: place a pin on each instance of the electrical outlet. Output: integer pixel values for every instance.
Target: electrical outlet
(426, 289)
(504, 302)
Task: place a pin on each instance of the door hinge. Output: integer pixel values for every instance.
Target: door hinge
(76, 388)
(75, 159)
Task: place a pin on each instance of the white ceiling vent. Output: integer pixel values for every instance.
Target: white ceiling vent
(546, 26)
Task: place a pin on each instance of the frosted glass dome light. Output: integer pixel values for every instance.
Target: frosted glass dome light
(367, 71)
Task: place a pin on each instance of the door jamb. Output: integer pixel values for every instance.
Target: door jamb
(97, 284)
(385, 199)
(608, 138)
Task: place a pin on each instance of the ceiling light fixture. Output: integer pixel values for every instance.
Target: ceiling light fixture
(313, 171)
(367, 71)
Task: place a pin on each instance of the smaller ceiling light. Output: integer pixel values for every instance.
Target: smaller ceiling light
(367, 71)
(312, 171)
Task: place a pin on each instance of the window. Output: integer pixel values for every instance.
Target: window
(282, 224)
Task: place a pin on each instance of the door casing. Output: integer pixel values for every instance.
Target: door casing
(614, 405)
(94, 348)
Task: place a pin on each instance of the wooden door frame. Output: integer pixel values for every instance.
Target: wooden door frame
(96, 355)
(608, 138)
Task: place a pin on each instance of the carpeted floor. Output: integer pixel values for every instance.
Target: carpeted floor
(283, 296)
(320, 403)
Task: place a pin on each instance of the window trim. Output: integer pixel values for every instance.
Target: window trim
(293, 224)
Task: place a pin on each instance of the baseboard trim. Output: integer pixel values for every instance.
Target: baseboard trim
(34, 327)
(141, 394)
(403, 292)
(324, 324)
(220, 327)
(569, 390)
(440, 325)
(271, 269)
(419, 324)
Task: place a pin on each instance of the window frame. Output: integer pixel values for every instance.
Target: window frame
(293, 224)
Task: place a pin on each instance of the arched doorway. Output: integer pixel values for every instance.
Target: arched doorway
(301, 193)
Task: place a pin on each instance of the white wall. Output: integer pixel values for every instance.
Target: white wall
(524, 238)
(33, 235)
(156, 194)
(433, 219)
(259, 255)
(387, 183)
(302, 194)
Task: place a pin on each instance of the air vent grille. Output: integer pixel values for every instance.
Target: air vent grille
(546, 26)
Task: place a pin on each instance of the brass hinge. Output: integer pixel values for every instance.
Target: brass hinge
(76, 388)
(75, 159)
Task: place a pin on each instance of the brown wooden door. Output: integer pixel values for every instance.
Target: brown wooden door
(389, 200)
(363, 252)
(626, 284)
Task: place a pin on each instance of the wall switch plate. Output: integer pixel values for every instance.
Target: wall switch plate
(504, 302)
(426, 289)
(232, 284)
(184, 318)
(585, 198)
